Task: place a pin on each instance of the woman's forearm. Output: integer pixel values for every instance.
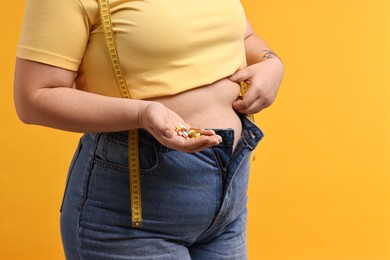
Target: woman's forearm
(44, 96)
(78, 111)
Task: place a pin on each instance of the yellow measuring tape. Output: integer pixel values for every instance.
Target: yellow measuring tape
(134, 174)
(244, 88)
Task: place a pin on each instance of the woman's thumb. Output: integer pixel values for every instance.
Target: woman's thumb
(240, 75)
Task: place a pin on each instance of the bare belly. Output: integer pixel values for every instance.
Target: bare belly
(208, 106)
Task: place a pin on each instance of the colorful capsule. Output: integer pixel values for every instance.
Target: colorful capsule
(191, 133)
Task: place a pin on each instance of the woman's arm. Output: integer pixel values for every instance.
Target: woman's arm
(264, 75)
(44, 96)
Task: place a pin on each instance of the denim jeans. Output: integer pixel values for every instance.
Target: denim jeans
(194, 204)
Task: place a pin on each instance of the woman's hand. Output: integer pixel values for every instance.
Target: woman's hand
(160, 121)
(264, 79)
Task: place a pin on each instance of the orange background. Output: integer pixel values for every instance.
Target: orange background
(320, 185)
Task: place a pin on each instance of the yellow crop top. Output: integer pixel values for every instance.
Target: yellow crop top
(165, 46)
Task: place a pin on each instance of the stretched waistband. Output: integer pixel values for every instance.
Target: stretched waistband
(251, 134)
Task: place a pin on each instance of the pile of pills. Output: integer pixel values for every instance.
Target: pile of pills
(188, 133)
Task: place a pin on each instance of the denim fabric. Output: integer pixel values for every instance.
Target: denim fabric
(194, 204)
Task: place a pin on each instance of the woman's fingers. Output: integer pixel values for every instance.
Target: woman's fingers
(207, 139)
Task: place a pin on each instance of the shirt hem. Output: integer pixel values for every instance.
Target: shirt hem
(56, 60)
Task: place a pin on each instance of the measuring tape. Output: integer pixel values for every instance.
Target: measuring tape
(244, 88)
(134, 173)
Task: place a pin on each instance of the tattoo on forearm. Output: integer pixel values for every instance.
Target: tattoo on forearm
(269, 54)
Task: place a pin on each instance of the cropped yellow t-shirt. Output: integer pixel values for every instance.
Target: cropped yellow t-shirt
(165, 46)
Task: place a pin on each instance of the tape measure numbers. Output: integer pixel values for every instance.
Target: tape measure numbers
(134, 174)
(135, 182)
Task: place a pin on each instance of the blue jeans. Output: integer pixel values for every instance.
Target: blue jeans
(194, 204)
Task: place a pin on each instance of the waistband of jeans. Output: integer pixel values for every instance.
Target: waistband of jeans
(251, 134)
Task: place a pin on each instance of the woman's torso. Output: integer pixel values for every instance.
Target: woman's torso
(175, 52)
(208, 106)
